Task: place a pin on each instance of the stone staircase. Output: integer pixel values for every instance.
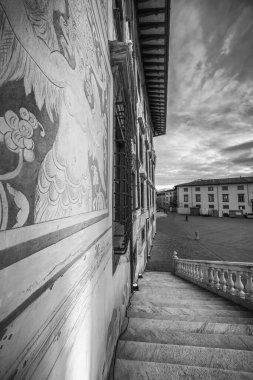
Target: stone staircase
(177, 330)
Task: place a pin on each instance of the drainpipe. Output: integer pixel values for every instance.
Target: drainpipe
(218, 200)
(248, 195)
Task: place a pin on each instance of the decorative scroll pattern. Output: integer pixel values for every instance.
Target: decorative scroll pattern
(52, 58)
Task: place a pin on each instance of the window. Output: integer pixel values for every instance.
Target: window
(210, 198)
(198, 206)
(225, 207)
(241, 198)
(186, 206)
(210, 188)
(197, 188)
(142, 195)
(240, 187)
(198, 198)
(211, 206)
(122, 202)
(147, 188)
(147, 168)
(186, 198)
(139, 85)
(143, 235)
(224, 188)
(241, 207)
(185, 189)
(225, 198)
(140, 148)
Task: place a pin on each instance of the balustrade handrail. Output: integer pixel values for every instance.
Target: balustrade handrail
(231, 279)
(228, 263)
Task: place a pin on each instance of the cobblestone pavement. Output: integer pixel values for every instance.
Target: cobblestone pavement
(228, 239)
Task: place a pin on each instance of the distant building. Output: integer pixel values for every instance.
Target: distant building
(166, 199)
(217, 197)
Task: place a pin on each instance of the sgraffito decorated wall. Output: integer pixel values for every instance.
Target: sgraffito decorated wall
(61, 306)
(55, 104)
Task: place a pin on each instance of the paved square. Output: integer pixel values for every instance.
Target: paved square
(228, 239)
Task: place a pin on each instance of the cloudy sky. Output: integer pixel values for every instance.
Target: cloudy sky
(210, 97)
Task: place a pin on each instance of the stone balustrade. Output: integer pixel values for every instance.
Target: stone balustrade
(233, 280)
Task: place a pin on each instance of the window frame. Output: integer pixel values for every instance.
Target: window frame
(198, 197)
(225, 198)
(243, 198)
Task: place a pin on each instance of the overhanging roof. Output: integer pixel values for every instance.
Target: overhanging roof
(218, 181)
(154, 23)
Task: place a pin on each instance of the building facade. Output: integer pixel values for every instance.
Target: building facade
(166, 199)
(78, 114)
(218, 197)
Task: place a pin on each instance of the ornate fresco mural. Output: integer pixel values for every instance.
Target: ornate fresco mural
(54, 112)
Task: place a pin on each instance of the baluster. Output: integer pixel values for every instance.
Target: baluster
(211, 278)
(188, 269)
(223, 281)
(197, 272)
(239, 285)
(216, 278)
(201, 274)
(231, 283)
(193, 270)
(183, 267)
(205, 274)
(249, 286)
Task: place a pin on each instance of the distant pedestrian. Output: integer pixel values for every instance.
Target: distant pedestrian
(186, 218)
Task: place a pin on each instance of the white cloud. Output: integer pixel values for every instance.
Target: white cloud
(226, 48)
(210, 107)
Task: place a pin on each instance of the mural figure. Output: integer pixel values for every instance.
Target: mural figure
(53, 46)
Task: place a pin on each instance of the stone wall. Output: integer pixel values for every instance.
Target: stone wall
(61, 307)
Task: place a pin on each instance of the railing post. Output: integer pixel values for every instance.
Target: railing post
(211, 278)
(216, 278)
(174, 262)
(223, 281)
(231, 283)
(249, 287)
(201, 274)
(239, 285)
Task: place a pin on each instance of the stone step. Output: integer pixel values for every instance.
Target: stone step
(161, 293)
(196, 318)
(139, 296)
(191, 327)
(138, 370)
(160, 335)
(185, 289)
(199, 311)
(194, 304)
(158, 274)
(171, 286)
(235, 360)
